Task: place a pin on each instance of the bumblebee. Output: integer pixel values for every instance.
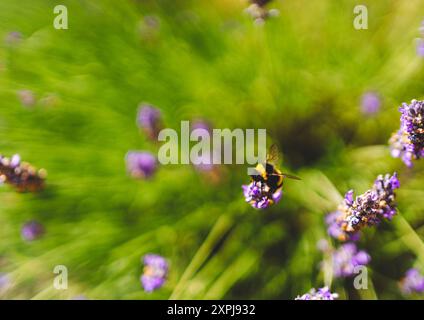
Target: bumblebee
(268, 174)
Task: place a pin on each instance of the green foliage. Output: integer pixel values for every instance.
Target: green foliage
(300, 76)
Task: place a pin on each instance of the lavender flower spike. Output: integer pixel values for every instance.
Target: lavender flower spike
(408, 142)
(367, 209)
(413, 282)
(21, 175)
(346, 258)
(155, 272)
(259, 195)
(320, 294)
(370, 103)
(258, 11)
(32, 230)
(149, 119)
(140, 164)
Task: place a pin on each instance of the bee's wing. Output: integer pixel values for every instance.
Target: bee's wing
(273, 154)
(290, 176)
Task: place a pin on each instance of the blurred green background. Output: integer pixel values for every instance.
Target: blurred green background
(301, 76)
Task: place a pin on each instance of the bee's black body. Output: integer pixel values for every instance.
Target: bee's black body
(270, 175)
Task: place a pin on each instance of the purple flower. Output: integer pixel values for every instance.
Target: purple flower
(203, 128)
(155, 272)
(149, 28)
(370, 103)
(21, 174)
(149, 119)
(140, 164)
(15, 161)
(346, 258)
(80, 297)
(4, 282)
(26, 97)
(203, 162)
(420, 47)
(413, 282)
(334, 222)
(408, 142)
(13, 38)
(260, 196)
(258, 11)
(366, 210)
(32, 230)
(320, 294)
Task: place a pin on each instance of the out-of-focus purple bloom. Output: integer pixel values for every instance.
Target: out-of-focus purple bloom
(320, 294)
(15, 161)
(21, 174)
(13, 38)
(370, 103)
(346, 258)
(149, 27)
(203, 128)
(203, 162)
(32, 230)
(80, 297)
(408, 142)
(152, 21)
(141, 164)
(200, 124)
(4, 282)
(258, 11)
(413, 282)
(26, 97)
(420, 47)
(149, 119)
(420, 41)
(366, 210)
(260, 196)
(155, 272)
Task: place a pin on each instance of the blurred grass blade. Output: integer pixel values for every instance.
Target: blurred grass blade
(222, 225)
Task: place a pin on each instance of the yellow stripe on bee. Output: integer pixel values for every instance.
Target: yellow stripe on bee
(281, 177)
(261, 170)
